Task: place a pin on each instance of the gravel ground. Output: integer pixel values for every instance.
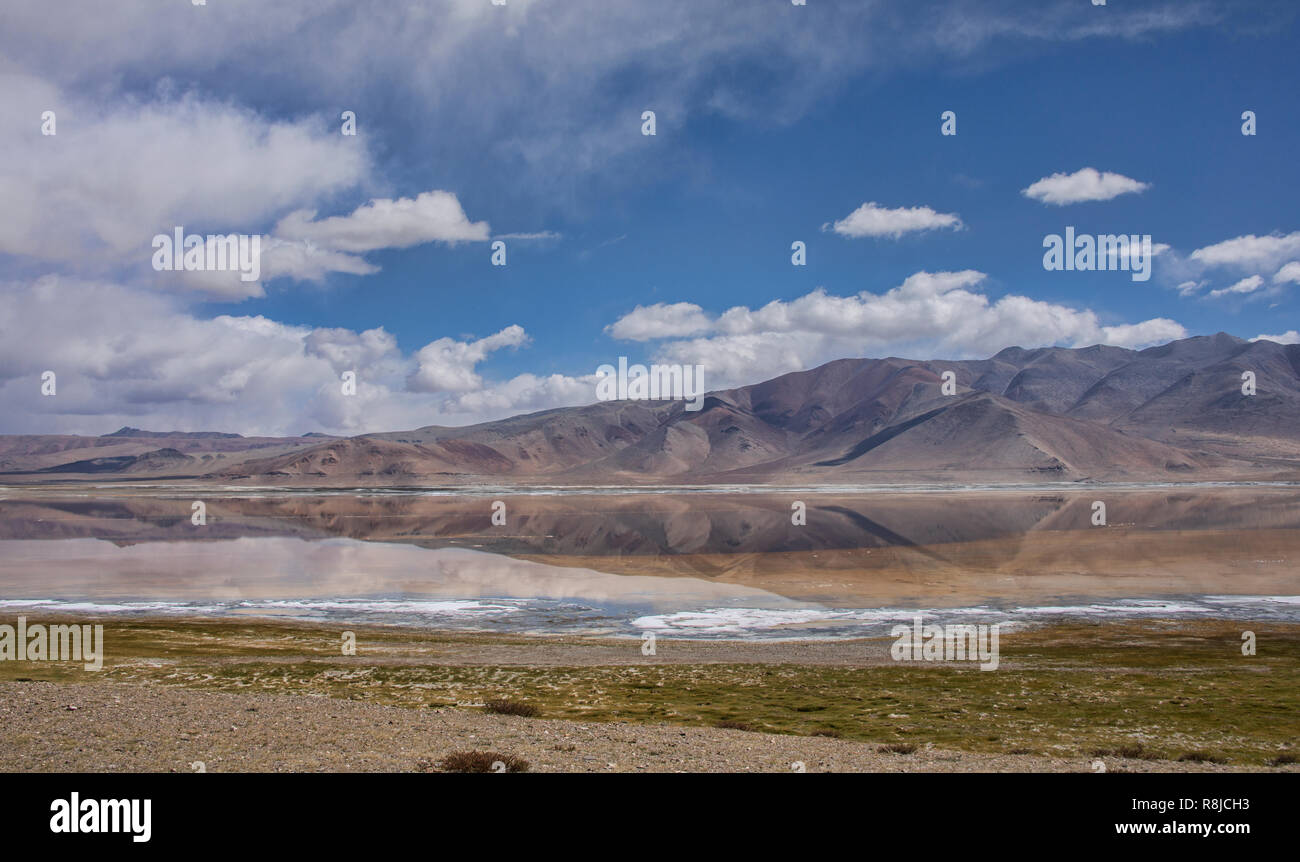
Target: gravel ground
(67, 727)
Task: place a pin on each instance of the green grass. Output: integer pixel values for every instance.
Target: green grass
(1154, 690)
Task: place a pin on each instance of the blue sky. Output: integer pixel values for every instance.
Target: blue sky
(773, 123)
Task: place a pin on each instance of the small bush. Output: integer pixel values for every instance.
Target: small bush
(728, 724)
(1283, 759)
(502, 706)
(897, 748)
(1200, 757)
(482, 761)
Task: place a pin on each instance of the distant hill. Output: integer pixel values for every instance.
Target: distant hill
(27, 457)
(159, 460)
(128, 431)
(1174, 412)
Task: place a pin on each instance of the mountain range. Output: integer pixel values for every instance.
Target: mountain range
(1175, 412)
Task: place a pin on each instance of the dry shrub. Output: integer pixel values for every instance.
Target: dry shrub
(729, 724)
(504, 706)
(482, 761)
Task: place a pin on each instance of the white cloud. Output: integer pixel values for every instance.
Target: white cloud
(346, 350)
(434, 216)
(307, 261)
(209, 167)
(119, 172)
(1248, 255)
(1249, 284)
(121, 354)
(871, 219)
(306, 249)
(1087, 184)
(928, 315)
(544, 81)
(1158, 330)
(537, 236)
(132, 356)
(302, 261)
(1134, 252)
(660, 320)
(1289, 337)
(526, 392)
(1288, 273)
(1250, 251)
(447, 365)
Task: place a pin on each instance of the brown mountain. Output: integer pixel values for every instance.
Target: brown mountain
(155, 454)
(1176, 411)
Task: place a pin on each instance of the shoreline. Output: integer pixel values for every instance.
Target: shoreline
(1099, 610)
(483, 489)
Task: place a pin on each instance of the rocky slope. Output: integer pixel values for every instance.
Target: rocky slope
(1176, 411)
(1172, 412)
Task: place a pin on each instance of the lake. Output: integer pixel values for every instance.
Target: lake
(713, 563)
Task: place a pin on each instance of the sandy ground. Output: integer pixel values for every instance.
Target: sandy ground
(126, 728)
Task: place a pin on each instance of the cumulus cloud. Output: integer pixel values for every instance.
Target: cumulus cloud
(305, 248)
(1246, 285)
(1291, 336)
(1115, 254)
(346, 350)
(525, 392)
(307, 261)
(1250, 256)
(929, 314)
(434, 216)
(130, 356)
(1086, 184)
(1250, 251)
(1289, 273)
(126, 355)
(301, 261)
(871, 219)
(121, 353)
(447, 365)
(118, 173)
(211, 168)
(660, 320)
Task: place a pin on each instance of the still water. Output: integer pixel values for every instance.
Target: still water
(724, 564)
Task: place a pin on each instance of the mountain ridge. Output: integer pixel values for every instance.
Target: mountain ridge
(1173, 412)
